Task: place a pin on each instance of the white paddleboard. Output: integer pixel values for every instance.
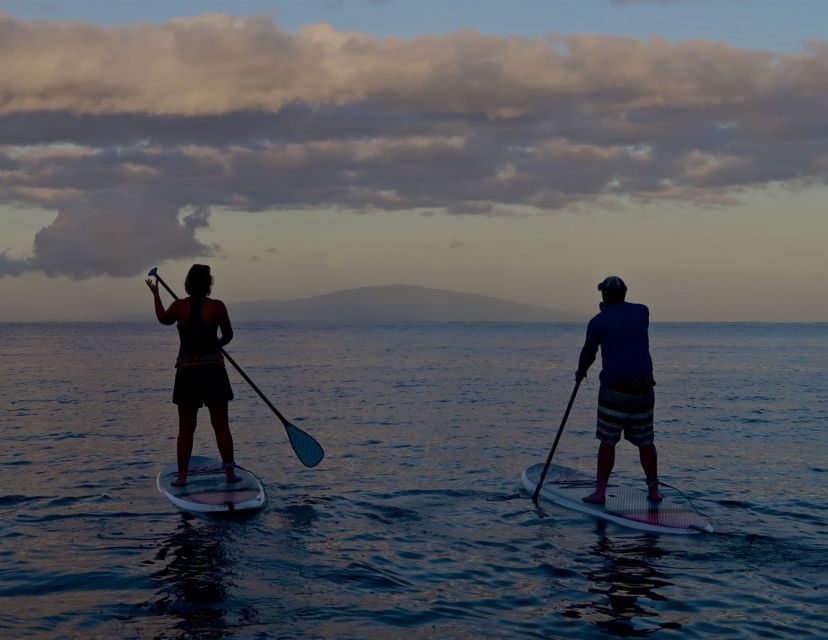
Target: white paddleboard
(626, 506)
(207, 489)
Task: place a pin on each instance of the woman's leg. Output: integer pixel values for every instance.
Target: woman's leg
(224, 439)
(187, 420)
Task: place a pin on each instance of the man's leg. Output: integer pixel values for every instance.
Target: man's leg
(649, 462)
(606, 461)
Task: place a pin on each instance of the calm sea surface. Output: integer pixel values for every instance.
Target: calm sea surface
(414, 525)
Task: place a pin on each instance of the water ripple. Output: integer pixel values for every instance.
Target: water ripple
(415, 524)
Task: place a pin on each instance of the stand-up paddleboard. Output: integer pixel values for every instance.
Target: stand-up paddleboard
(625, 505)
(207, 489)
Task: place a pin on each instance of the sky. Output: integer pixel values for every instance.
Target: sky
(523, 150)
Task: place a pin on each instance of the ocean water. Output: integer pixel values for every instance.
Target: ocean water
(414, 525)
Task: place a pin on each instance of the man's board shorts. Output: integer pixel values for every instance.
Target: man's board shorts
(625, 413)
(200, 385)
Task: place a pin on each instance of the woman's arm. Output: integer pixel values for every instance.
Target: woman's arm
(224, 324)
(165, 316)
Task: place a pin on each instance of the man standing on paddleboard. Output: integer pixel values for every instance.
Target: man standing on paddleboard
(625, 399)
(200, 376)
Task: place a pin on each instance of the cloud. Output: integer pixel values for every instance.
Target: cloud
(11, 266)
(133, 133)
(110, 233)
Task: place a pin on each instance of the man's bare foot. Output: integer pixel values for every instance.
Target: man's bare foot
(179, 482)
(232, 477)
(652, 491)
(595, 498)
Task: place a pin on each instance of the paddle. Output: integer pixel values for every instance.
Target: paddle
(308, 450)
(555, 444)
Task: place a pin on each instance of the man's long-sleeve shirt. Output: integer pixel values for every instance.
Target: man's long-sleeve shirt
(621, 330)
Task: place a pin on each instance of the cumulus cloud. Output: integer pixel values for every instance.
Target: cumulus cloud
(133, 133)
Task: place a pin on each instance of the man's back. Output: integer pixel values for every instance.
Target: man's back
(621, 330)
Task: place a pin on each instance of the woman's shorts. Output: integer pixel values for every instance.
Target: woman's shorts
(624, 413)
(200, 385)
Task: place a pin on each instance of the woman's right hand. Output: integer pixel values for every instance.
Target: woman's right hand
(153, 286)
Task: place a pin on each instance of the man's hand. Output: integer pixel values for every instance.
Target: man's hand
(153, 286)
(579, 375)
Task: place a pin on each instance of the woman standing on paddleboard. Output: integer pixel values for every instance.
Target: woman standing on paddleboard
(200, 376)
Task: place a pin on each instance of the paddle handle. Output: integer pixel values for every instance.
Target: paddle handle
(555, 444)
(154, 273)
(307, 449)
(255, 388)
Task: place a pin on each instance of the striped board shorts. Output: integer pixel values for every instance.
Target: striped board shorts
(624, 413)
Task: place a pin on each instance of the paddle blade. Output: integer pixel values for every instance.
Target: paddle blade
(308, 450)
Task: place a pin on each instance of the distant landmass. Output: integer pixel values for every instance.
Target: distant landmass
(399, 303)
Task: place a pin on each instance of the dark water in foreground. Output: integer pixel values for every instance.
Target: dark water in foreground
(414, 525)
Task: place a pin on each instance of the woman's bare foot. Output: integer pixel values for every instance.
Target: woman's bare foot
(229, 469)
(179, 482)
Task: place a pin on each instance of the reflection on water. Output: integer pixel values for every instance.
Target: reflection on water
(626, 584)
(197, 577)
(397, 534)
(302, 516)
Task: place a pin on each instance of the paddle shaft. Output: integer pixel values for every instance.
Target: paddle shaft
(555, 444)
(233, 362)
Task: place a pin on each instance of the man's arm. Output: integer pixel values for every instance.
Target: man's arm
(588, 352)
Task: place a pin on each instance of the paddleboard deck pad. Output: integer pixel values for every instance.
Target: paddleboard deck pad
(207, 489)
(626, 506)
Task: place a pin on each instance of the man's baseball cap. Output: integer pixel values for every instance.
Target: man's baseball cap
(611, 284)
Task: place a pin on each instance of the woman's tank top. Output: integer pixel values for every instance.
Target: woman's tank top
(199, 341)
